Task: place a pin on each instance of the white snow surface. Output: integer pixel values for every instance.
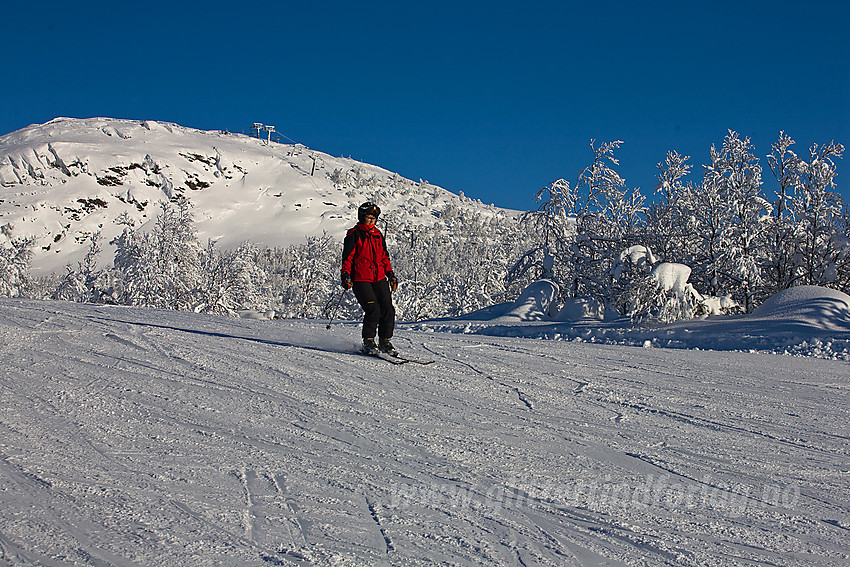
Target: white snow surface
(806, 320)
(69, 178)
(131, 436)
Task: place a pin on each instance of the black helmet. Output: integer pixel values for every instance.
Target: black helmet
(368, 208)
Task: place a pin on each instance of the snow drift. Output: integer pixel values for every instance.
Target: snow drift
(805, 320)
(819, 308)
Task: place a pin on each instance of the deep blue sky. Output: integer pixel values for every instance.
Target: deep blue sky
(495, 99)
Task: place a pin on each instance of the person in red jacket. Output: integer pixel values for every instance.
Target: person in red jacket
(367, 269)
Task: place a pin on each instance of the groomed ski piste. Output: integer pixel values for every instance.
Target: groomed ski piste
(138, 437)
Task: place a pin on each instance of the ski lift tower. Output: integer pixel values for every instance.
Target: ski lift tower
(258, 126)
(269, 129)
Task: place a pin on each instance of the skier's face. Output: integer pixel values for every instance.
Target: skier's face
(370, 220)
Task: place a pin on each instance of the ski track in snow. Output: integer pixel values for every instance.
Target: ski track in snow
(141, 437)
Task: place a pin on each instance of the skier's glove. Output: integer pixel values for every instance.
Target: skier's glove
(346, 281)
(393, 281)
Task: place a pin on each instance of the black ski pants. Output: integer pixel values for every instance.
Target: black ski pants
(378, 312)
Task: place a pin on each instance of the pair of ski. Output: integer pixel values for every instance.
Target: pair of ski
(393, 359)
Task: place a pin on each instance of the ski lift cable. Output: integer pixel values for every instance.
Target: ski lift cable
(260, 126)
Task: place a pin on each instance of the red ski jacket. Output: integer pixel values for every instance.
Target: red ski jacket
(364, 255)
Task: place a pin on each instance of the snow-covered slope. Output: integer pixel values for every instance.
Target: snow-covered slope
(65, 180)
(139, 437)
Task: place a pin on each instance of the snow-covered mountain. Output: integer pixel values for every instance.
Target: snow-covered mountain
(132, 436)
(69, 178)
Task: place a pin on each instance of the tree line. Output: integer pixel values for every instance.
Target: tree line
(736, 239)
(448, 268)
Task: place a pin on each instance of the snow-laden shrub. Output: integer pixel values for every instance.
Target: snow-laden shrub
(637, 258)
(664, 294)
(15, 267)
(160, 268)
(455, 267)
(231, 281)
(87, 283)
(724, 305)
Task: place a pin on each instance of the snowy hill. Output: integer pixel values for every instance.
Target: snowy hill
(140, 437)
(69, 178)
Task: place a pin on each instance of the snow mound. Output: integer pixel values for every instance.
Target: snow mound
(819, 307)
(533, 304)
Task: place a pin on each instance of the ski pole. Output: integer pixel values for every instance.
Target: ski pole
(335, 308)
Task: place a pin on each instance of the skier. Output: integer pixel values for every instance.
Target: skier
(366, 268)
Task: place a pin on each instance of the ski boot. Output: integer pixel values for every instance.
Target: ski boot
(387, 347)
(370, 346)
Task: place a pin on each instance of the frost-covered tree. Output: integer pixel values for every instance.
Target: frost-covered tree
(553, 227)
(88, 282)
(418, 257)
(719, 226)
(231, 281)
(734, 178)
(15, 262)
(808, 238)
(302, 278)
(453, 267)
(787, 168)
(607, 216)
(583, 228)
(736, 240)
(822, 248)
(160, 268)
(670, 221)
(783, 241)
